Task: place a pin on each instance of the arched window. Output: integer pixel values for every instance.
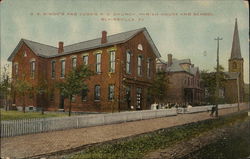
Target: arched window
(234, 65)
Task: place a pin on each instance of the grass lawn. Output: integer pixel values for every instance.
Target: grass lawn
(15, 115)
(139, 146)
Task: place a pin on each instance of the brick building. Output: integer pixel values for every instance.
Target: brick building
(124, 66)
(184, 81)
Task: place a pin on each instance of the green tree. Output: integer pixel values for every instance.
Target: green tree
(5, 87)
(22, 88)
(74, 83)
(209, 83)
(42, 89)
(158, 90)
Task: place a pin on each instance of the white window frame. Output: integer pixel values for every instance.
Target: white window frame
(112, 61)
(149, 61)
(85, 57)
(128, 61)
(53, 70)
(16, 68)
(97, 95)
(32, 68)
(139, 65)
(73, 62)
(84, 98)
(63, 69)
(111, 92)
(98, 63)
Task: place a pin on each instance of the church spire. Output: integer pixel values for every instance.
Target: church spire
(235, 52)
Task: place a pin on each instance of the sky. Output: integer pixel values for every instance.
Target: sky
(186, 29)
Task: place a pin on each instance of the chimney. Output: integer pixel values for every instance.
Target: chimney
(170, 61)
(104, 37)
(60, 47)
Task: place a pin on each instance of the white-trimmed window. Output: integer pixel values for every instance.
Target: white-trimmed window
(139, 65)
(138, 98)
(73, 62)
(16, 68)
(85, 59)
(62, 68)
(139, 47)
(73, 98)
(24, 54)
(112, 61)
(111, 92)
(84, 94)
(97, 94)
(98, 63)
(53, 69)
(128, 62)
(149, 67)
(32, 69)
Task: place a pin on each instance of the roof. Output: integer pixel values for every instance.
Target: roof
(160, 60)
(176, 66)
(235, 52)
(231, 75)
(48, 51)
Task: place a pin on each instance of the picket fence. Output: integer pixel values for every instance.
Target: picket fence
(204, 108)
(38, 125)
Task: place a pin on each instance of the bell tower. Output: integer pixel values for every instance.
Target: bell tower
(236, 61)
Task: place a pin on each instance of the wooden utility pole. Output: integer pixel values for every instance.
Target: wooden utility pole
(217, 76)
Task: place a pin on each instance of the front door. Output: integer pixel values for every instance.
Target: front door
(139, 98)
(128, 97)
(61, 105)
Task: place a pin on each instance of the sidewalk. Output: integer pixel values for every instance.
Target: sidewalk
(35, 144)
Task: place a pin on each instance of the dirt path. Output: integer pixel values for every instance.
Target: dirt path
(35, 144)
(183, 148)
(192, 148)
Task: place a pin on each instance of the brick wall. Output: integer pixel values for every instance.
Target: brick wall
(24, 73)
(119, 78)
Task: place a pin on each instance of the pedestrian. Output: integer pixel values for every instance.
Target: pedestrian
(213, 110)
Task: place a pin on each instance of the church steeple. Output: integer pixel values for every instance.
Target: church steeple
(236, 62)
(235, 52)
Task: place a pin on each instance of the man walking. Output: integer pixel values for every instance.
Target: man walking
(213, 110)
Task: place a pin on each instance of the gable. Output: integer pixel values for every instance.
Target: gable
(37, 48)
